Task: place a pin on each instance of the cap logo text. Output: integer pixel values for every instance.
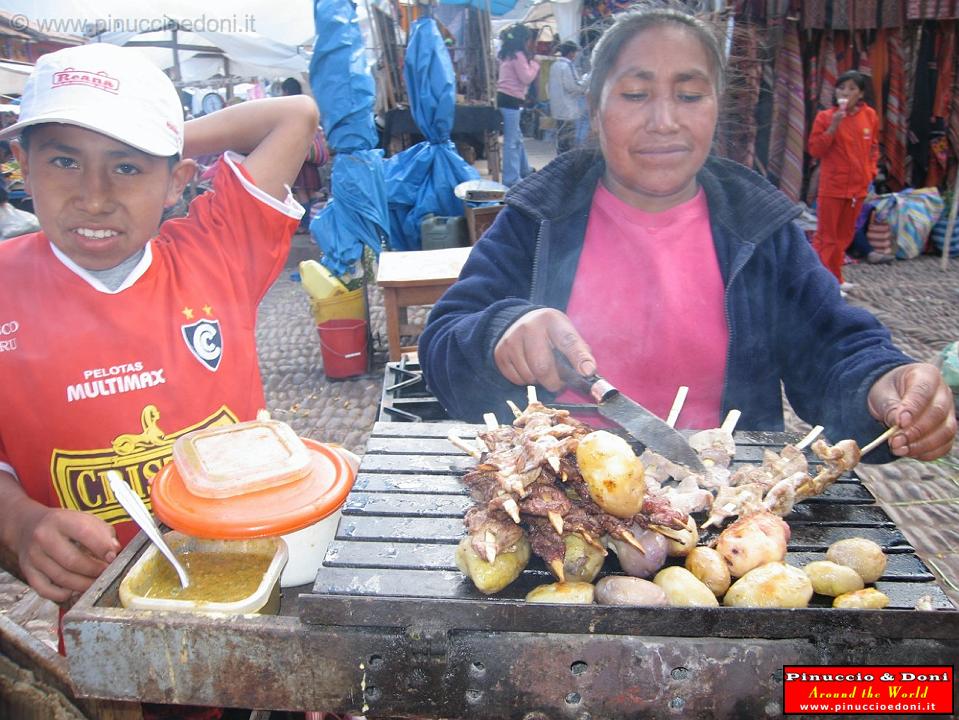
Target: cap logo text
(99, 80)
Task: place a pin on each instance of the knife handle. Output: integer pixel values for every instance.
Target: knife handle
(592, 385)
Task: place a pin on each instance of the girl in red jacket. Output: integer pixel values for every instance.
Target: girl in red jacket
(846, 141)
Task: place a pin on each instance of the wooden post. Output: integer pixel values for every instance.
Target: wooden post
(952, 221)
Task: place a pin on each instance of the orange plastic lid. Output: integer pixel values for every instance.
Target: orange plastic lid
(272, 511)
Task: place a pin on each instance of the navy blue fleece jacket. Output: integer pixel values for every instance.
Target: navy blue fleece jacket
(787, 321)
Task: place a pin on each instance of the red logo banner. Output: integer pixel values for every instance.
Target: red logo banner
(868, 689)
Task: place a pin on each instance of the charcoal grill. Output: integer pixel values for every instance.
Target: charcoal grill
(405, 397)
(392, 629)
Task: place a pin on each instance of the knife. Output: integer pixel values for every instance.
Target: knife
(649, 429)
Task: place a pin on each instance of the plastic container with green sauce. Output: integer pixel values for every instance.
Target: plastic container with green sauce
(235, 577)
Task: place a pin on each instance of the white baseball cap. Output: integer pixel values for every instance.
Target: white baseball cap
(110, 89)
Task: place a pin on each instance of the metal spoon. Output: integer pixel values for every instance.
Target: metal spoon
(137, 510)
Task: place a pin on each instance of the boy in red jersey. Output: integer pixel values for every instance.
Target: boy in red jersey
(120, 335)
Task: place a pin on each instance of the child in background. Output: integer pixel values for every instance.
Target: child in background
(517, 70)
(845, 139)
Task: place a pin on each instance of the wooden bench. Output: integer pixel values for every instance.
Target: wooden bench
(418, 277)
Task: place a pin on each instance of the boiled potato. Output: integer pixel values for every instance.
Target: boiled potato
(633, 561)
(612, 472)
(831, 579)
(562, 592)
(492, 577)
(689, 536)
(774, 584)
(683, 589)
(867, 599)
(624, 590)
(710, 568)
(862, 555)
(582, 561)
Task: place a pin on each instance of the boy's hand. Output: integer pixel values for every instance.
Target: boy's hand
(61, 552)
(916, 398)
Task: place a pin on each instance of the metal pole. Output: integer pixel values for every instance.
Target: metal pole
(952, 221)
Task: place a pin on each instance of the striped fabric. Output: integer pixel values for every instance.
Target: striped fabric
(827, 71)
(932, 9)
(738, 126)
(946, 65)
(789, 116)
(879, 63)
(952, 128)
(912, 213)
(894, 132)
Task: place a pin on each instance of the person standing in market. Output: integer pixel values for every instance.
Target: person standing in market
(566, 89)
(122, 334)
(517, 70)
(845, 139)
(659, 264)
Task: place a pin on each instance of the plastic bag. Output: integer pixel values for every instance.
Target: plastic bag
(948, 362)
(911, 213)
(14, 222)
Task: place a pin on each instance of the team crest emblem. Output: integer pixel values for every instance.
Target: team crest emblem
(204, 340)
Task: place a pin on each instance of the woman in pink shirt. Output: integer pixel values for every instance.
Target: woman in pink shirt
(517, 70)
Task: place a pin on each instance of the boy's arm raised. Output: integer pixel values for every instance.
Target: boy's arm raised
(274, 134)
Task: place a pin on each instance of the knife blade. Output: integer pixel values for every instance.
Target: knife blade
(645, 426)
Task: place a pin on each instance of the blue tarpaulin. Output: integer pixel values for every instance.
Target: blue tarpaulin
(345, 91)
(495, 7)
(421, 179)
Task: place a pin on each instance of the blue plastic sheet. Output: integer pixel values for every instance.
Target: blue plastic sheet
(344, 90)
(495, 7)
(421, 179)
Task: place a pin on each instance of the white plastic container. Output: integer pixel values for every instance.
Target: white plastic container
(307, 547)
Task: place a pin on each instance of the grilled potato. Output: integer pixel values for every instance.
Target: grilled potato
(862, 555)
(612, 472)
(491, 577)
(774, 584)
(562, 592)
(831, 579)
(624, 590)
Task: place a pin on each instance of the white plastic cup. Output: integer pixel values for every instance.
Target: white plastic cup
(307, 546)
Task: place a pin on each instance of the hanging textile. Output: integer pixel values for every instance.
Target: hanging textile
(879, 64)
(952, 131)
(946, 69)
(789, 117)
(932, 9)
(922, 105)
(894, 134)
(738, 125)
(827, 70)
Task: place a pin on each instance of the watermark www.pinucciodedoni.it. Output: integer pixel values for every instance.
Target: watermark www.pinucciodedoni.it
(245, 23)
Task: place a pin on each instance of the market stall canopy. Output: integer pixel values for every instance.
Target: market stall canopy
(422, 179)
(244, 54)
(13, 76)
(495, 7)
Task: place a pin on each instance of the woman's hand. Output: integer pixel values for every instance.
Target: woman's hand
(525, 352)
(916, 398)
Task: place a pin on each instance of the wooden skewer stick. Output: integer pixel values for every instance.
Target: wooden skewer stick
(810, 436)
(514, 407)
(458, 442)
(491, 422)
(880, 440)
(531, 395)
(677, 406)
(729, 424)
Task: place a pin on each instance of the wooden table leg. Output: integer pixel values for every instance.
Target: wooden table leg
(493, 155)
(391, 305)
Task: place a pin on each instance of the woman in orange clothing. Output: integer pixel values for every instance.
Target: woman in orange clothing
(846, 141)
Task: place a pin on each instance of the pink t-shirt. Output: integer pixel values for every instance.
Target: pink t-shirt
(648, 298)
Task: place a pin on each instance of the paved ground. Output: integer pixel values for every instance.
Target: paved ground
(917, 300)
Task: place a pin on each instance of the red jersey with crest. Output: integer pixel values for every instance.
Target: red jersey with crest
(94, 379)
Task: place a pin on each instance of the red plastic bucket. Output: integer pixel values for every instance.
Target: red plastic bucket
(343, 345)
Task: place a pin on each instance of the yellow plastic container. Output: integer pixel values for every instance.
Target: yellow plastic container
(262, 597)
(319, 282)
(347, 306)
